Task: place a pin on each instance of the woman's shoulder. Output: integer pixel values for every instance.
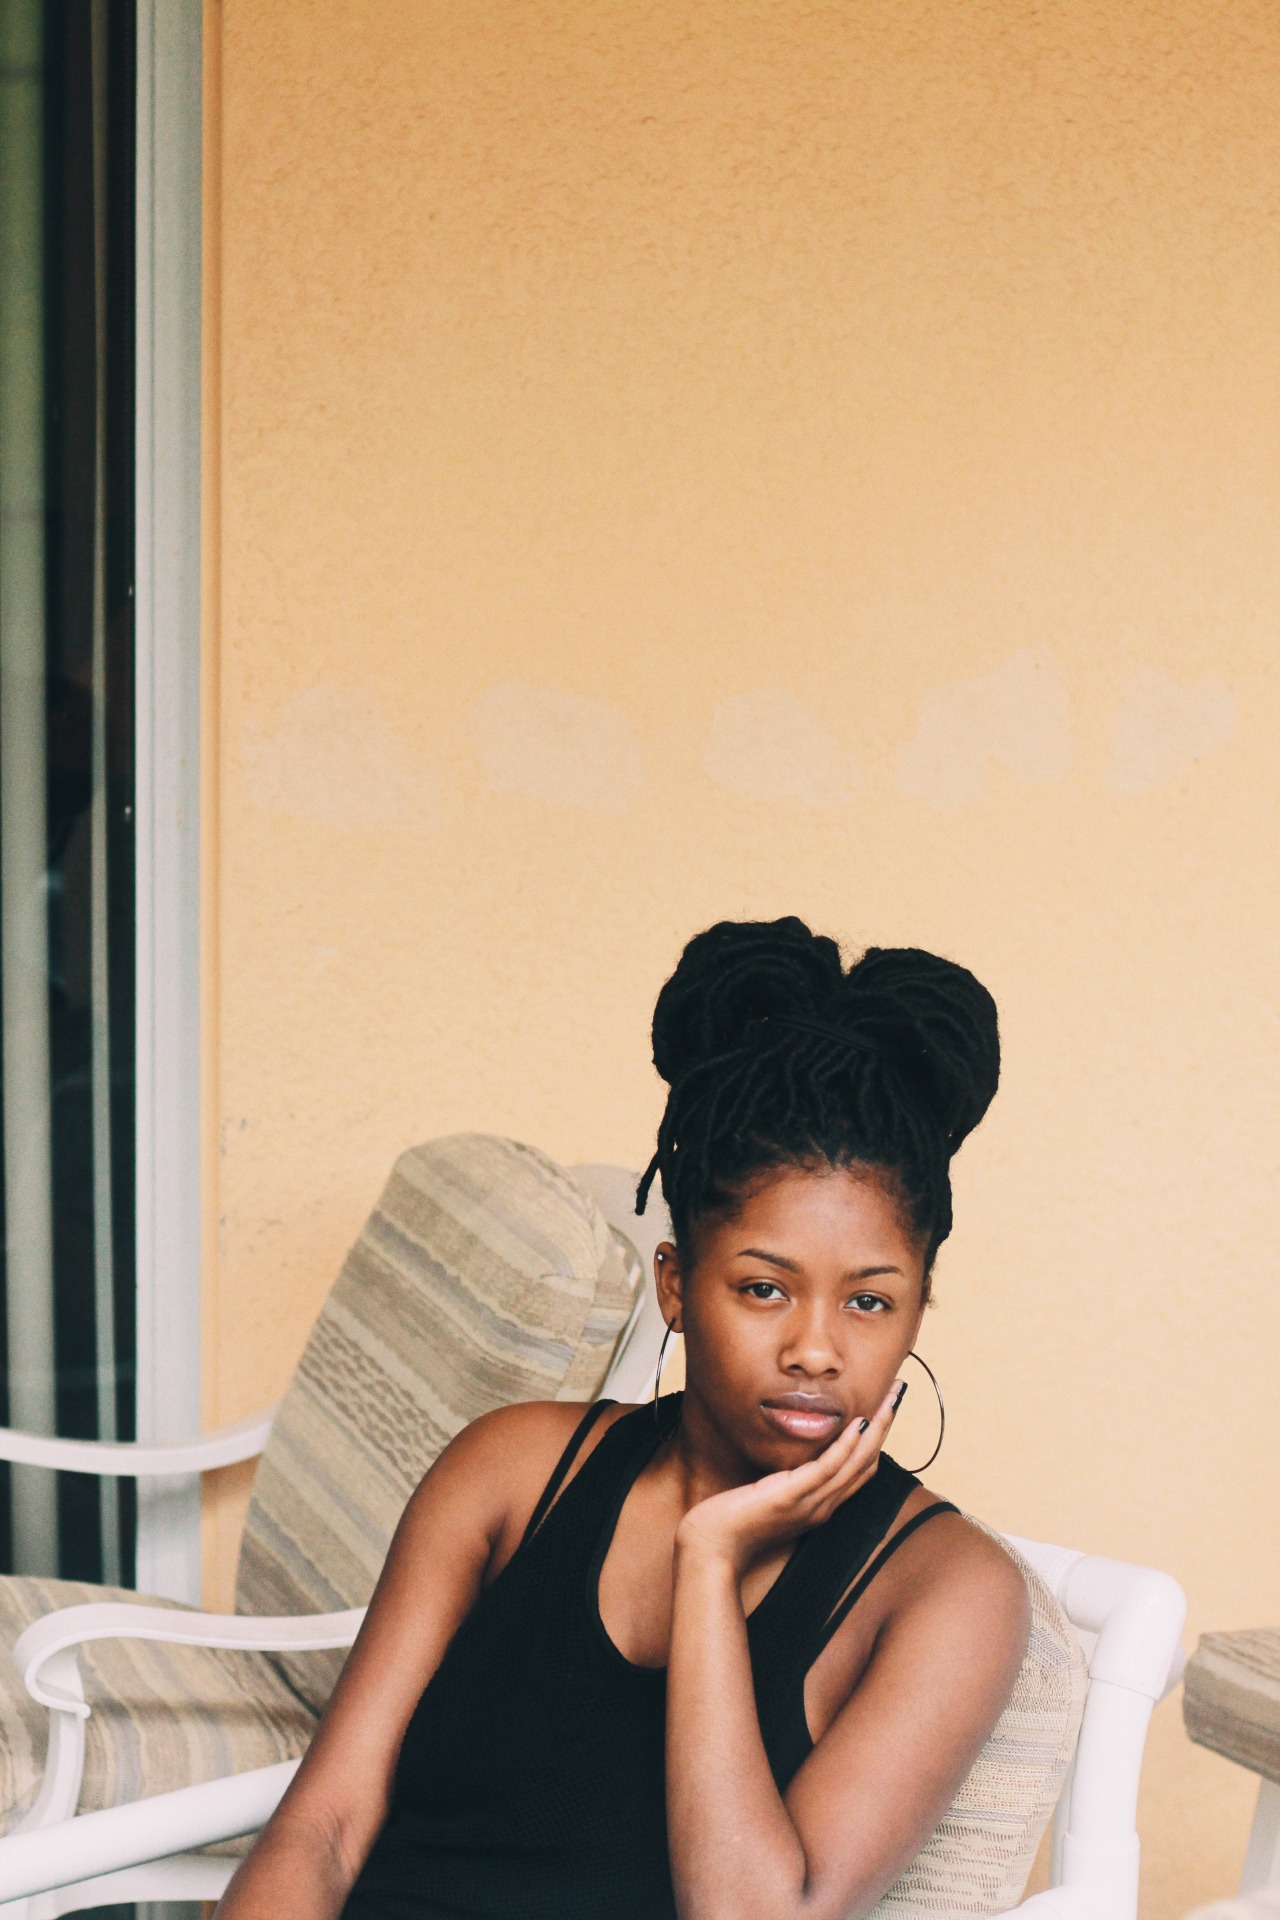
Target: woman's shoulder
(955, 1563)
(501, 1462)
(538, 1427)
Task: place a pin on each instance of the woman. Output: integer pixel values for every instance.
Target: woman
(720, 1657)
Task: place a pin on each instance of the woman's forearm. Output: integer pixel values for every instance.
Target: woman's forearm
(295, 1872)
(735, 1854)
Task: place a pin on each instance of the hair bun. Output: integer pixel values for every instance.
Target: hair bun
(926, 1018)
(735, 975)
(935, 1023)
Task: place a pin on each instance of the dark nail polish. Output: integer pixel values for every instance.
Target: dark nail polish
(863, 1425)
(900, 1395)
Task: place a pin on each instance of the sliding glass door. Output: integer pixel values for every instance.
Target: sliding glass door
(67, 737)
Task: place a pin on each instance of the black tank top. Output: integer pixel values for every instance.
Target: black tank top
(530, 1783)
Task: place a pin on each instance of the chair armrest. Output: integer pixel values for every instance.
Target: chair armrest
(144, 1458)
(77, 1850)
(1137, 1614)
(69, 1627)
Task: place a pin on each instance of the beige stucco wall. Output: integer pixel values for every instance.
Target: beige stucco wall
(670, 460)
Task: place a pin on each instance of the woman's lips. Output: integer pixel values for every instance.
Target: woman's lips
(803, 1416)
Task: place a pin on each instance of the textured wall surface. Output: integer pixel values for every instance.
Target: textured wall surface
(671, 460)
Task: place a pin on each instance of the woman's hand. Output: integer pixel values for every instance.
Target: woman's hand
(738, 1526)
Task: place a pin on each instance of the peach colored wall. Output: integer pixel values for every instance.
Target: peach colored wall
(675, 460)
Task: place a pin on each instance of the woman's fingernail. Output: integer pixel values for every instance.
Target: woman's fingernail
(899, 1395)
(863, 1425)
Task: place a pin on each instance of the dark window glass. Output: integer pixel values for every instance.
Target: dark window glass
(66, 753)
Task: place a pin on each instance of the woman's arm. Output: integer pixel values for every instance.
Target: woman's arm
(460, 1526)
(888, 1767)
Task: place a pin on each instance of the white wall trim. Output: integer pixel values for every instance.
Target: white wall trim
(167, 798)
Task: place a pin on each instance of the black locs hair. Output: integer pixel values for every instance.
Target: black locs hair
(776, 1055)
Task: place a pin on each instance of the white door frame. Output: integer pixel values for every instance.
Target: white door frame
(167, 794)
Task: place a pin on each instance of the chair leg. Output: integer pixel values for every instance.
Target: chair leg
(1262, 1857)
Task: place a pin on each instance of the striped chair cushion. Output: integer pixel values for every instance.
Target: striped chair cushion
(978, 1858)
(163, 1717)
(1231, 1697)
(484, 1276)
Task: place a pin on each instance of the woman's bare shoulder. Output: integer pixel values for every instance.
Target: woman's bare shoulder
(529, 1437)
(953, 1563)
(499, 1464)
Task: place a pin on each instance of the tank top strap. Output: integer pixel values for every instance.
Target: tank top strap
(786, 1627)
(841, 1611)
(826, 1560)
(562, 1466)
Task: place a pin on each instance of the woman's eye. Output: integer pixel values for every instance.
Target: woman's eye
(868, 1303)
(764, 1290)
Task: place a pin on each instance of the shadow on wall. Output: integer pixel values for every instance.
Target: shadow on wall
(332, 757)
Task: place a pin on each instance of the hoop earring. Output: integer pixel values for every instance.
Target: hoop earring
(942, 1412)
(662, 1354)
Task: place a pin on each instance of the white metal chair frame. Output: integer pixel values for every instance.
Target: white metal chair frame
(1261, 1873)
(1129, 1619)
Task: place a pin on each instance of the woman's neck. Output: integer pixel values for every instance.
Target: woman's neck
(700, 1458)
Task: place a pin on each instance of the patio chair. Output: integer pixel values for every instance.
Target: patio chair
(485, 1275)
(1231, 1704)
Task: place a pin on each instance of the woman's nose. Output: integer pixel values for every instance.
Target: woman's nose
(812, 1348)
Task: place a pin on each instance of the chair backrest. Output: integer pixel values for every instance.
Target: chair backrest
(485, 1275)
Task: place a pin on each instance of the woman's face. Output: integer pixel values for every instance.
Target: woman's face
(798, 1313)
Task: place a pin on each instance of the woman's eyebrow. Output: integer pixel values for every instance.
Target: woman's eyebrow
(794, 1266)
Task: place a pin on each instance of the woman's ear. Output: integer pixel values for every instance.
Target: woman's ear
(670, 1284)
